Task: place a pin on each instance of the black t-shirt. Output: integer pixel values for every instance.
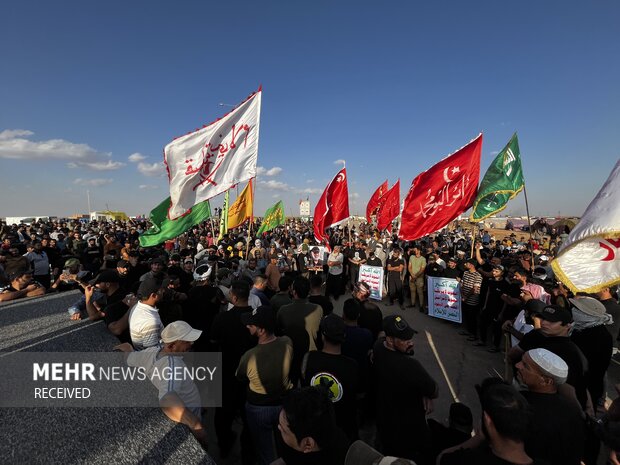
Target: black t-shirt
(480, 456)
(357, 343)
(567, 351)
(339, 374)
(324, 301)
(401, 382)
(374, 261)
(556, 431)
(233, 338)
(495, 290)
(453, 273)
(371, 318)
(332, 454)
(395, 262)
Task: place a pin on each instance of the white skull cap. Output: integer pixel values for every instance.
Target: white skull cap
(551, 363)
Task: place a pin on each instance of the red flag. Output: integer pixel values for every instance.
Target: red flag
(374, 201)
(389, 208)
(443, 192)
(333, 206)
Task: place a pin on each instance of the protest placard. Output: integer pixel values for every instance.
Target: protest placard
(373, 276)
(444, 299)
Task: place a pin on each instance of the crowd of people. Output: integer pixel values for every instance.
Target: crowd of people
(305, 381)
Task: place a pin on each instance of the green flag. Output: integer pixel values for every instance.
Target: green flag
(274, 216)
(502, 182)
(164, 229)
(224, 218)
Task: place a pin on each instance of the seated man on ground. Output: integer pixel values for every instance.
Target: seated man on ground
(179, 398)
(21, 285)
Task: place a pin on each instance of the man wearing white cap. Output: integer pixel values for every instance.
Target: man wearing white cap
(179, 399)
(556, 431)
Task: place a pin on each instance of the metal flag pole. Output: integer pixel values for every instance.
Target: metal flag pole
(529, 223)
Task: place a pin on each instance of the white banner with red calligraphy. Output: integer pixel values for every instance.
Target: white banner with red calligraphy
(209, 161)
(589, 259)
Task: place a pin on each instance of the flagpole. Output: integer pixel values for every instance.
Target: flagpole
(473, 239)
(247, 245)
(529, 223)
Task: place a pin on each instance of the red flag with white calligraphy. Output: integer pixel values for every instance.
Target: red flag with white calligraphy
(441, 193)
(209, 161)
(333, 206)
(375, 200)
(389, 208)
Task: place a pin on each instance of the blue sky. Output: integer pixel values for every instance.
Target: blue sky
(389, 87)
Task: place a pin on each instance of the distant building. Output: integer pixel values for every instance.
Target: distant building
(304, 208)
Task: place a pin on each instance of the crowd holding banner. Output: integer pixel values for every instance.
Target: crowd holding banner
(255, 288)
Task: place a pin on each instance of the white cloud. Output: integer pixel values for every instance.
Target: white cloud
(151, 170)
(261, 170)
(148, 186)
(309, 181)
(14, 145)
(92, 182)
(13, 133)
(310, 190)
(354, 195)
(494, 152)
(136, 157)
(339, 162)
(274, 185)
(98, 165)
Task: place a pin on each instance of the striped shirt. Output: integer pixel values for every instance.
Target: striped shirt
(471, 297)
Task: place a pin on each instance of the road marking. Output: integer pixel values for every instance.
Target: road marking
(440, 363)
(4, 354)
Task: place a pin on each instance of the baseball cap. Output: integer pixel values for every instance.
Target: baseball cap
(361, 453)
(589, 306)
(551, 363)
(262, 317)
(556, 313)
(107, 276)
(122, 264)
(333, 328)
(72, 262)
(396, 326)
(179, 331)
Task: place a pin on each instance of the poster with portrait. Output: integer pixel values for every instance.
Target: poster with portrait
(373, 276)
(444, 299)
(316, 258)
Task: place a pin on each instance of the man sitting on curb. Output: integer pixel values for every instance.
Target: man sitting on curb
(179, 398)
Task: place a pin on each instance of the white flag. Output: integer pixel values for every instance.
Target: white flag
(209, 161)
(589, 260)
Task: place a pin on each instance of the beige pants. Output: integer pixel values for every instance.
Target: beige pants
(416, 287)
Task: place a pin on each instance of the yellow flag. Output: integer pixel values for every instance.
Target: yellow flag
(242, 209)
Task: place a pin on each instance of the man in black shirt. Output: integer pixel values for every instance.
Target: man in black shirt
(335, 372)
(233, 339)
(317, 297)
(492, 307)
(553, 336)
(404, 392)
(556, 431)
(370, 316)
(395, 268)
(308, 432)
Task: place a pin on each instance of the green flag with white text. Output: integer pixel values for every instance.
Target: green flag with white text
(163, 228)
(502, 182)
(274, 216)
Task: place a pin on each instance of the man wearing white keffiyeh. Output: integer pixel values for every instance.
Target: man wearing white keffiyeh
(591, 336)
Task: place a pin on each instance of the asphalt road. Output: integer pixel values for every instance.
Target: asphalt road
(131, 436)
